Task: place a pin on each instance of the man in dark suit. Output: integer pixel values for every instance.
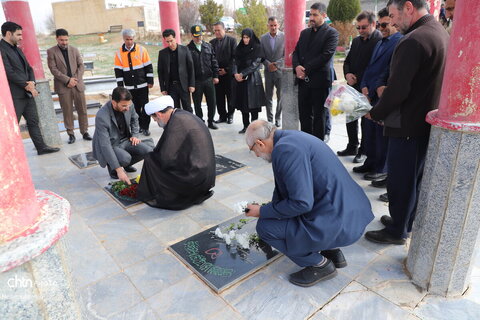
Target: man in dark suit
(311, 62)
(413, 89)
(22, 83)
(115, 141)
(353, 68)
(66, 65)
(175, 71)
(224, 47)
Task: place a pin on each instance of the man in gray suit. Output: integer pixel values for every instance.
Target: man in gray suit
(273, 47)
(115, 142)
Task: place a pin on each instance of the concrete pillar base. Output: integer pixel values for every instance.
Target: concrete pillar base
(448, 214)
(46, 115)
(289, 101)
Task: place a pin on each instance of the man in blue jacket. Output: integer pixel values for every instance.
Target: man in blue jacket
(316, 206)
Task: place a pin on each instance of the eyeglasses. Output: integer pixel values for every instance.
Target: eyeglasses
(361, 27)
(383, 25)
(253, 145)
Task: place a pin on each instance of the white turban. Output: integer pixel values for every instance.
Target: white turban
(159, 105)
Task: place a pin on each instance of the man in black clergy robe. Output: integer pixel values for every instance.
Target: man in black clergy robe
(180, 171)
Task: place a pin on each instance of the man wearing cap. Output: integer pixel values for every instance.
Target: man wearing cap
(115, 142)
(180, 171)
(206, 74)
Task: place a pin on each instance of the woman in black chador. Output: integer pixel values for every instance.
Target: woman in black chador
(248, 93)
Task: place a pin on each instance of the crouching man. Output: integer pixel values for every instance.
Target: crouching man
(180, 171)
(316, 206)
(115, 142)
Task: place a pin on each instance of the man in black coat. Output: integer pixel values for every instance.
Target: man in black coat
(413, 89)
(206, 74)
(224, 47)
(22, 83)
(311, 62)
(353, 68)
(175, 71)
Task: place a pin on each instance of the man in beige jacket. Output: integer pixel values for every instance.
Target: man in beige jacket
(66, 65)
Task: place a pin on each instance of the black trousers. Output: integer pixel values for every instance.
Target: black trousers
(352, 132)
(405, 161)
(312, 113)
(180, 96)
(204, 87)
(224, 90)
(140, 99)
(28, 109)
(245, 117)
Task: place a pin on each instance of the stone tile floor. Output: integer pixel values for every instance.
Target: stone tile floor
(121, 267)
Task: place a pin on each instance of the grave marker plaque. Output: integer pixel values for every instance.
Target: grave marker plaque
(224, 164)
(83, 160)
(220, 265)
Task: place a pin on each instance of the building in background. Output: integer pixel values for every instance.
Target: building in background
(97, 16)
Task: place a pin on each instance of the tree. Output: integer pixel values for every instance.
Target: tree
(255, 18)
(210, 12)
(342, 13)
(188, 13)
(277, 9)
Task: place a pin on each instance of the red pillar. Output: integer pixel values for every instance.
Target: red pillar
(435, 7)
(169, 18)
(18, 11)
(294, 24)
(459, 107)
(19, 208)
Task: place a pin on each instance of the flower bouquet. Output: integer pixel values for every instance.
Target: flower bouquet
(345, 99)
(125, 191)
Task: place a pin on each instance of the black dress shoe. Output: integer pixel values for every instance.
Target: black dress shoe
(47, 149)
(337, 257)
(382, 183)
(86, 136)
(242, 131)
(212, 126)
(130, 169)
(359, 158)
(383, 197)
(71, 138)
(310, 276)
(374, 176)
(113, 174)
(386, 220)
(221, 120)
(146, 132)
(230, 119)
(362, 169)
(382, 236)
(277, 124)
(348, 152)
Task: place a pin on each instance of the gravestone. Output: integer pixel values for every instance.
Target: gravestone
(224, 164)
(83, 160)
(125, 202)
(220, 265)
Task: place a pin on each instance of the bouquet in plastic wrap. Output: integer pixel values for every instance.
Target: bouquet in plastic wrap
(345, 99)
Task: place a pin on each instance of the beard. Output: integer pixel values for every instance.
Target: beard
(161, 124)
(267, 157)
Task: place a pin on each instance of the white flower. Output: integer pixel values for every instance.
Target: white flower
(228, 241)
(231, 234)
(218, 233)
(242, 240)
(239, 207)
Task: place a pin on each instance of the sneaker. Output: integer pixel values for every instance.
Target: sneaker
(336, 256)
(310, 276)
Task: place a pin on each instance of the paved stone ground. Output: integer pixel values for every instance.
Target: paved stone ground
(122, 270)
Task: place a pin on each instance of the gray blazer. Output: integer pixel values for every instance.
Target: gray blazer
(107, 135)
(275, 55)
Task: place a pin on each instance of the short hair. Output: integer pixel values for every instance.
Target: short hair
(261, 129)
(272, 18)
(219, 23)
(418, 4)
(319, 6)
(369, 15)
(10, 26)
(121, 94)
(61, 32)
(168, 32)
(166, 109)
(128, 33)
(382, 13)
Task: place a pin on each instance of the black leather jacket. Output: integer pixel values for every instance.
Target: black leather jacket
(204, 61)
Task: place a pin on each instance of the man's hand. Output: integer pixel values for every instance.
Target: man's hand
(365, 92)
(368, 116)
(134, 141)
(72, 82)
(253, 210)
(380, 90)
(272, 67)
(191, 89)
(221, 71)
(30, 86)
(122, 175)
(150, 85)
(164, 93)
(238, 77)
(300, 72)
(34, 93)
(351, 79)
(215, 80)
